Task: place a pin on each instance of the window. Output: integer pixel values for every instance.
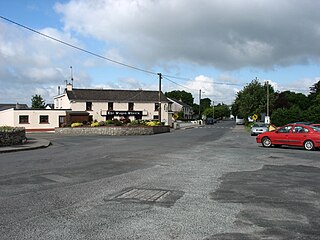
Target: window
(110, 106)
(88, 106)
(285, 129)
(44, 119)
(24, 119)
(155, 117)
(300, 129)
(130, 106)
(156, 106)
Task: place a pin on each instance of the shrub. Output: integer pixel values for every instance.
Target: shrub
(95, 124)
(153, 123)
(108, 122)
(117, 122)
(6, 128)
(76, 124)
(102, 123)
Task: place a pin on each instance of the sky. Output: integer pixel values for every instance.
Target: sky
(214, 46)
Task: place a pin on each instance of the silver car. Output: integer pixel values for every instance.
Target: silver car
(258, 128)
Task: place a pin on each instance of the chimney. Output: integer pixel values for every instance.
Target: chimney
(58, 90)
(69, 87)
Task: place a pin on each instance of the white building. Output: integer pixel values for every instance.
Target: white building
(32, 119)
(105, 104)
(179, 106)
(89, 105)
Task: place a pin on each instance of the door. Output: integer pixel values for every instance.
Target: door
(282, 135)
(62, 120)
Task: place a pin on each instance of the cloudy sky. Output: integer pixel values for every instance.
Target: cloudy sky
(213, 45)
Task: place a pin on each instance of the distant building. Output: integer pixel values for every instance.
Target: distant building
(179, 106)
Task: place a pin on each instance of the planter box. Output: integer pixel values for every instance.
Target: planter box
(113, 130)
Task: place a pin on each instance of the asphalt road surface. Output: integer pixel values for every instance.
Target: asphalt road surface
(213, 182)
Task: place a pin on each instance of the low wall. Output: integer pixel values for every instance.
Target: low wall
(113, 131)
(12, 136)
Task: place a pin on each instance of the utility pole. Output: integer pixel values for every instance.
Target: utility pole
(212, 109)
(160, 78)
(199, 104)
(267, 120)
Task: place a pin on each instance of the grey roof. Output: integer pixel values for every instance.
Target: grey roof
(110, 95)
(13, 105)
(180, 102)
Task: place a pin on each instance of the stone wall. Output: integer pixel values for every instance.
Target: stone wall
(113, 130)
(12, 136)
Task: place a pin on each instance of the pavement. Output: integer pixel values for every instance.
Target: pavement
(30, 144)
(35, 143)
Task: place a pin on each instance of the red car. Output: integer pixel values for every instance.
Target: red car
(306, 136)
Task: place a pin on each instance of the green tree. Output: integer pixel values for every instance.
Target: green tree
(253, 99)
(205, 103)
(37, 102)
(282, 116)
(182, 96)
(288, 99)
(220, 111)
(315, 93)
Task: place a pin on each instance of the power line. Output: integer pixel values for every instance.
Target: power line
(109, 59)
(78, 48)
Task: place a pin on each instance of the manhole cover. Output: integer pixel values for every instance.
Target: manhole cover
(149, 195)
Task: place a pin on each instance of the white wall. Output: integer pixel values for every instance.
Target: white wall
(34, 118)
(7, 117)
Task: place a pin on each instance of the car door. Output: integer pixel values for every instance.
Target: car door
(298, 135)
(281, 136)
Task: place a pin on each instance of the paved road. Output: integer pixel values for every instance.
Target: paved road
(204, 183)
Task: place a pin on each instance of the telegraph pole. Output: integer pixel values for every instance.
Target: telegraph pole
(268, 118)
(160, 78)
(199, 104)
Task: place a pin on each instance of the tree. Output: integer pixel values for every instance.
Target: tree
(220, 111)
(182, 96)
(253, 99)
(37, 102)
(288, 99)
(205, 103)
(314, 93)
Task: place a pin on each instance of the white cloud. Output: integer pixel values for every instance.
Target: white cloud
(30, 64)
(225, 34)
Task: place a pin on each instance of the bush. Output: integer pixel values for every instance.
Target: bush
(153, 123)
(117, 122)
(95, 124)
(108, 122)
(6, 128)
(76, 124)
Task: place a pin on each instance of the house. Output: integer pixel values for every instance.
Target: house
(179, 106)
(32, 119)
(107, 104)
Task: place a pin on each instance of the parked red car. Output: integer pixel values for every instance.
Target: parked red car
(306, 136)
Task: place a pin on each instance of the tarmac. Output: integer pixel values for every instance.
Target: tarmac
(30, 144)
(35, 143)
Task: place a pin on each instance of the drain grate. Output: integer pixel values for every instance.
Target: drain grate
(149, 195)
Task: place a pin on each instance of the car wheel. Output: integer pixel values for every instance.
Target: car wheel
(308, 145)
(266, 142)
